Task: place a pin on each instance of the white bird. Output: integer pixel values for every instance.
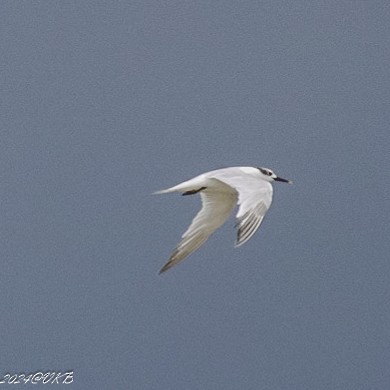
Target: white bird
(221, 190)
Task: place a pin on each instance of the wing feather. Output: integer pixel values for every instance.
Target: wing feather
(218, 200)
(247, 226)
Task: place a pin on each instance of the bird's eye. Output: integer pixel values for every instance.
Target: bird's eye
(265, 172)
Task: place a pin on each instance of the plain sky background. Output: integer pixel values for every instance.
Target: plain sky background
(104, 102)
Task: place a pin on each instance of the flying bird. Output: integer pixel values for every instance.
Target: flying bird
(221, 190)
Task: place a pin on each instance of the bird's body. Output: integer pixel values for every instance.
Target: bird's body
(221, 190)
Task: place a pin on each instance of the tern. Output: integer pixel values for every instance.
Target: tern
(221, 190)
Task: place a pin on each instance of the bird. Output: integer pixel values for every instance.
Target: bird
(221, 190)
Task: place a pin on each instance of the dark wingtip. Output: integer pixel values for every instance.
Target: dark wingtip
(165, 268)
(192, 192)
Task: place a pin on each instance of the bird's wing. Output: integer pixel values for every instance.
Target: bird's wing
(254, 199)
(217, 204)
(249, 222)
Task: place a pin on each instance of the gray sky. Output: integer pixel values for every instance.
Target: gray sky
(103, 103)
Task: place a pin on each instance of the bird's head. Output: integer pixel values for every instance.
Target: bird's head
(268, 175)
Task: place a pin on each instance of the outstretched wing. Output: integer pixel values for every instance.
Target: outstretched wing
(249, 222)
(218, 201)
(254, 199)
